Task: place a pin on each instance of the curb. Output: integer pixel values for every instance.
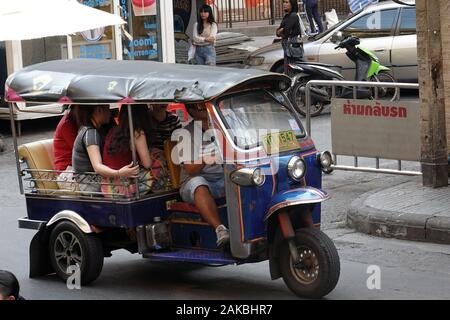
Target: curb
(390, 224)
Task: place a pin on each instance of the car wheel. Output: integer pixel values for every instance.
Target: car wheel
(279, 68)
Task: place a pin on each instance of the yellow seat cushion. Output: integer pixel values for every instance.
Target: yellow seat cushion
(173, 168)
(39, 156)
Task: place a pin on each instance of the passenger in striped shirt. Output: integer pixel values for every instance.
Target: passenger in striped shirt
(164, 123)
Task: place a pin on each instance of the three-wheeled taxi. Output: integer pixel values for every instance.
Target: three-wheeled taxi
(272, 174)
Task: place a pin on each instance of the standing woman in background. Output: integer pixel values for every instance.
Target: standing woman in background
(289, 31)
(205, 33)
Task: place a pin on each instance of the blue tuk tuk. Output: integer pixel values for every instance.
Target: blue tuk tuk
(272, 177)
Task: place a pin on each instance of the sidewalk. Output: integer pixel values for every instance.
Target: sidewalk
(405, 211)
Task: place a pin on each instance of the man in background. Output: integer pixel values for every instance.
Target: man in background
(312, 11)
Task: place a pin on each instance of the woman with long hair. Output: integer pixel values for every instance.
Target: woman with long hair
(204, 38)
(289, 30)
(88, 147)
(117, 153)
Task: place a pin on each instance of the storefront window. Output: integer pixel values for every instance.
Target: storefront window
(97, 43)
(140, 41)
(44, 49)
(184, 17)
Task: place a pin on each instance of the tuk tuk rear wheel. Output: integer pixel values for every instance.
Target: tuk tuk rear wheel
(69, 246)
(318, 271)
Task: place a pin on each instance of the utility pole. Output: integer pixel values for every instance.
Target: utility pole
(433, 44)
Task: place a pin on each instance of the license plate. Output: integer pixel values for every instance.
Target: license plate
(280, 142)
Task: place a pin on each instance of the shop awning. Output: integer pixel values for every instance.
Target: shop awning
(31, 19)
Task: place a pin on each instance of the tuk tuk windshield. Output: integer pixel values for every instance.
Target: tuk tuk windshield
(250, 116)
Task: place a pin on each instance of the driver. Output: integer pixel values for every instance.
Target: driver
(202, 178)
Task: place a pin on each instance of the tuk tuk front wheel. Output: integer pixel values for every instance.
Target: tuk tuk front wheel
(317, 272)
(70, 247)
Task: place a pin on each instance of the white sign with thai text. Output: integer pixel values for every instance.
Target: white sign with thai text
(374, 128)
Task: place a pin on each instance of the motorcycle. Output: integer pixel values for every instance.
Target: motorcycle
(368, 68)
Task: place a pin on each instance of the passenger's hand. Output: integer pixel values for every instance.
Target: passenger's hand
(211, 39)
(129, 171)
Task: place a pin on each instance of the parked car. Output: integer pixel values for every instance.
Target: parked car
(386, 28)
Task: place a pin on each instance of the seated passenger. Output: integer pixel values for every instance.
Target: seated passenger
(164, 123)
(87, 150)
(202, 178)
(153, 175)
(63, 140)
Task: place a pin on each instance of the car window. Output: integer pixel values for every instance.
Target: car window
(372, 25)
(408, 21)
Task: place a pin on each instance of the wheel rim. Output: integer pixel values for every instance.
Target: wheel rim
(300, 102)
(385, 92)
(67, 250)
(307, 270)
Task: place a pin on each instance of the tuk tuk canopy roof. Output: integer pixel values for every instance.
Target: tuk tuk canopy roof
(119, 81)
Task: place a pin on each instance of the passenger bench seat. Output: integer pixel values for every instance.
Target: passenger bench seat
(39, 156)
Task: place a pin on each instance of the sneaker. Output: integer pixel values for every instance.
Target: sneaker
(223, 235)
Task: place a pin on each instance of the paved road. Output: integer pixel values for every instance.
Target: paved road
(408, 269)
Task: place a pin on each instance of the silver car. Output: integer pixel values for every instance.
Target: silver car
(387, 29)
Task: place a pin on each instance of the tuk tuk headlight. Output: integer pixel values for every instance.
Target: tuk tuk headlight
(296, 168)
(248, 177)
(258, 177)
(326, 161)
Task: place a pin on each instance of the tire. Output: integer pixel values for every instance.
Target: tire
(86, 249)
(320, 251)
(279, 69)
(298, 100)
(385, 93)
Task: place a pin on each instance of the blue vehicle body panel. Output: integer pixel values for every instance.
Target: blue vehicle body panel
(255, 201)
(190, 230)
(294, 197)
(193, 255)
(103, 213)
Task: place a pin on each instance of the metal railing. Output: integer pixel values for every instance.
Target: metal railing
(238, 11)
(91, 185)
(355, 85)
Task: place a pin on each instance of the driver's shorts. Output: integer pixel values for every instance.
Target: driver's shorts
(187, 190)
